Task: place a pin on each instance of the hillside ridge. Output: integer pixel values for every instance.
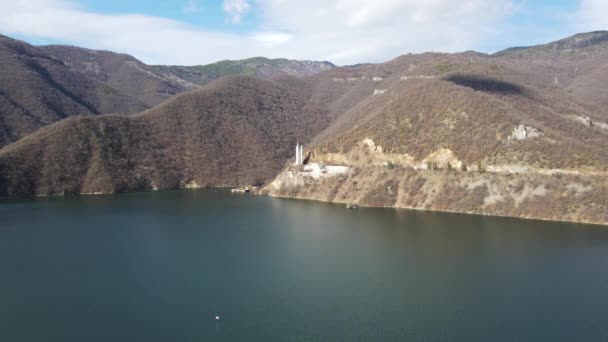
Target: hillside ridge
(572, 44)
(514, 135)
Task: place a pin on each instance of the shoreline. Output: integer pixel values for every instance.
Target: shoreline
(527, 218)
(228, 187)
(115, 193)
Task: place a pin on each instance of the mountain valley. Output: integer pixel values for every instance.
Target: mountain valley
(523, 132)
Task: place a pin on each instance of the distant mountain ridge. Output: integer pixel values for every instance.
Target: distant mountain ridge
(261, 66)
(576, 43)
(108, 66)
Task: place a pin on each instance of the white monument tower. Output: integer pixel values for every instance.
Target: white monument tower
(299, 154)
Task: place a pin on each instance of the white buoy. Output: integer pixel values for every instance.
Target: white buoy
(217, 318)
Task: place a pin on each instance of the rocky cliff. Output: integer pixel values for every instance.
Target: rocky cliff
(442, 182)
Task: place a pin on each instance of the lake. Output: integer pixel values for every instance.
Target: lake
(159, 266)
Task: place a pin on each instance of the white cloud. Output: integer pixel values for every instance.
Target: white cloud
(342, 31)
(236, 9)
(592, 15)
(351, 31)
(153, 39)
(192, 6)
(271, 38)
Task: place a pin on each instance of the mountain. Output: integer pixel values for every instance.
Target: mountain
(576, 64)
(44, 84)
(154, 84)
(37, 89)
(512, 134)
(261, 66)
(122, 72)
(235, 130)
(257, 66)
(582, 42)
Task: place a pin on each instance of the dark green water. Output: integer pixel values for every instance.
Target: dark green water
(159, 266)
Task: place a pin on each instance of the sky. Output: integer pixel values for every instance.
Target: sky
(193, 32)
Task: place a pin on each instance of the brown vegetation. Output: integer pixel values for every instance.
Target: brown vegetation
(237, 130)
(42, 85)
(242, 130)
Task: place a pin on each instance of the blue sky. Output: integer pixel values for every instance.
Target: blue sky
(537, 22)
(342, 31)
(204, 14)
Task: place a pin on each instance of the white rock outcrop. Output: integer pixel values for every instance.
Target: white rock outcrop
(442, 159)
(601, 125)
(522, 132)
(417, 77)
(369, 143)
(585, 120)
(191, 185)
(308, 174)
(379, 91)
(317, 171)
